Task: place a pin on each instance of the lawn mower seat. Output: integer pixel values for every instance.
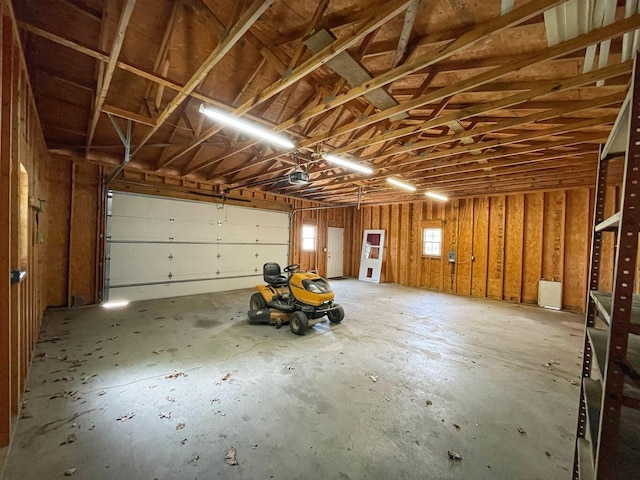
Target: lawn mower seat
(273, 276)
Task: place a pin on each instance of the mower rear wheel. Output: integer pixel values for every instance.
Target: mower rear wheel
(336, 316)
(257, 302)
(299, 323)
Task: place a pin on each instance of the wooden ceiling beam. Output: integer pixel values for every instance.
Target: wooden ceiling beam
(247, 20)
(560, 129)
(544, 88)
(103, 57)
(563, 48)
(473, 35)
(405, 33)
(383, 15)
(105, 79)
(434, 161)
(473, 167)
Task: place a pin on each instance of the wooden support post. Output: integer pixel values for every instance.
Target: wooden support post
(5, 226)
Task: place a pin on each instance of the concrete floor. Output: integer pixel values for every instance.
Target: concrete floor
(451, 373)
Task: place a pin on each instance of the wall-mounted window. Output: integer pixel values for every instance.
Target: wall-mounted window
(432, 242)
(308, 238)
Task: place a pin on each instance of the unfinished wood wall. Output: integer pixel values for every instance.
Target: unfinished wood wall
(504, 244)
(23, 226)
(73, 203)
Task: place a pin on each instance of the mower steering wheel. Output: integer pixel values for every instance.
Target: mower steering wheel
(291, 268)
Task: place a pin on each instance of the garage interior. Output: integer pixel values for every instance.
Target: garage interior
(452, 167)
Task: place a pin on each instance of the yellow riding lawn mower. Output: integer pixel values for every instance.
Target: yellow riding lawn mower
(301, 298)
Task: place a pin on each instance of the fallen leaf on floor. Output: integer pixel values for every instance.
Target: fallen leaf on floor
(165, 415)
(457, 427)
(429, 402)
(454, 455)
(70, 439)
(102, 392)
(69, 471)
(254, 446)
(180, 426)
(176, 375)
(230, 457)
(171, 399)
(521, 430)
(547, 453)
(126, 416)
(157, 352)
(373, 378)
(226, 376)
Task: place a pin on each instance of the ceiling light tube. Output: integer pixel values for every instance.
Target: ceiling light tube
(400, 184)
(244, 126)
(348, 164)
(437, 196)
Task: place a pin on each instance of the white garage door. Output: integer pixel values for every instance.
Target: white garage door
(160, 247)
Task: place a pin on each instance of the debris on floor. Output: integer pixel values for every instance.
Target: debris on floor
(70, 439)
(454, 455)
(176, 375)
(69, 471)
(456, 426)
(521, 430)
(125, 417)
(180, 426)
(374, 378)
(165, 415)
(429, 402)
(226, 376)
(230, 457)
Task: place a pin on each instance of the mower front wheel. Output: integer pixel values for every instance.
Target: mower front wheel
(299, 323)
(257, 302)
(336, 316)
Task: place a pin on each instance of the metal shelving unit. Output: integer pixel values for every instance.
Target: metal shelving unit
(608, 433)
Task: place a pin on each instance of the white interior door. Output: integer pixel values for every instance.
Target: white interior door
(335, 252)
(371, 256)
(162, 247)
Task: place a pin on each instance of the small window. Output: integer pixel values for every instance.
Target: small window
(309, 238)
(432, 242)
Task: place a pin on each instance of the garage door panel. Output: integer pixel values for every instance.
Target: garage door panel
(161, 247)
(141, 228)
(273, 234)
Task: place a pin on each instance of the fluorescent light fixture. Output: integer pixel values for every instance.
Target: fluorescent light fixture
(437, 196)
(244, 126)
(348, 164)
(115, 304)
(400, 184)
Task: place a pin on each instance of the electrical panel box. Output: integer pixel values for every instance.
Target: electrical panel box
(451, 257)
